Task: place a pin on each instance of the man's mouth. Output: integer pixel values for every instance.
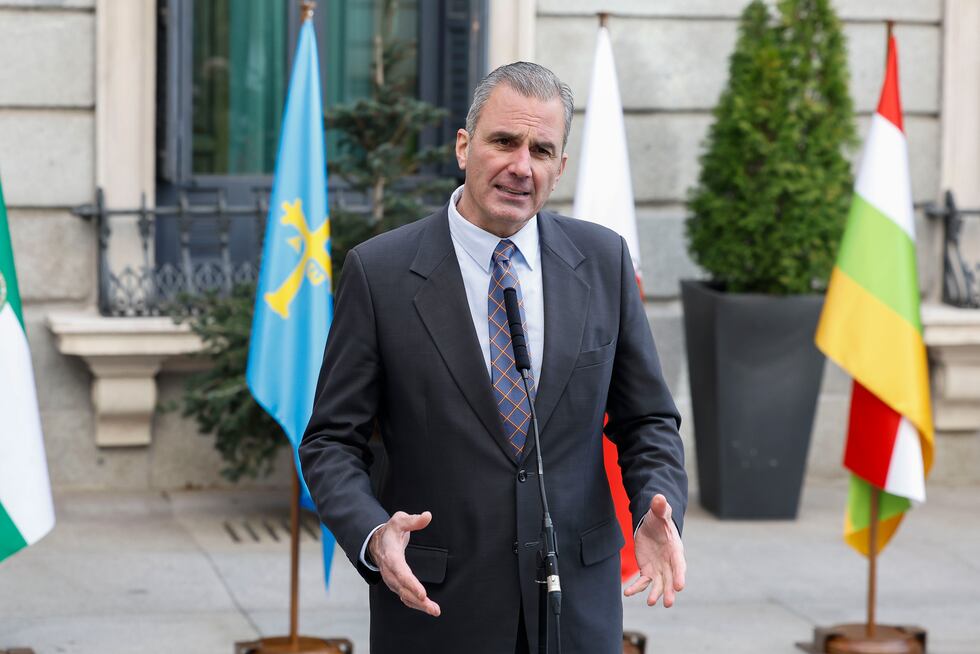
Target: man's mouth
(517, 193)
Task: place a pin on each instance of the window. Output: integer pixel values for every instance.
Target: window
(223, 69)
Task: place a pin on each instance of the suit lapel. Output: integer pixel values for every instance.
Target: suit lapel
(445, 312)
(566, 305)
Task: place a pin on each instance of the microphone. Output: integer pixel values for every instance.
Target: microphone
(523, 362)
(521, 357)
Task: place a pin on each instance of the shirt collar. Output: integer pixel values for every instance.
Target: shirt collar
(480, 244)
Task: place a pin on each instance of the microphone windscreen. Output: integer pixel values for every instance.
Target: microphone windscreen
(521, 358)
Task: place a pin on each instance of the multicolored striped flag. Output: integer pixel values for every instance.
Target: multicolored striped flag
(604, 195)
(871, 327)
(26, 510)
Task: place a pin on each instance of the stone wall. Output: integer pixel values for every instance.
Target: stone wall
(47, 159)
(48, 163)
(672, 62)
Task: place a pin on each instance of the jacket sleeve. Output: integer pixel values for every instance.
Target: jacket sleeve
(643, 421)
(334, 452)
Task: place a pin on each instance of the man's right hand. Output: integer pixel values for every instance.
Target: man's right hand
(387, 549)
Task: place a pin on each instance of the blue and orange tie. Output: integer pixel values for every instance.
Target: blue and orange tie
(508, 389)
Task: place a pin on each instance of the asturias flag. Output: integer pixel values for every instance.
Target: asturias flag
(293, 303)
(26, 510)
(604, 195)
(871, 327)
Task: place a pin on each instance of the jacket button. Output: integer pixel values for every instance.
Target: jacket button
(514, 547)
(522, 476)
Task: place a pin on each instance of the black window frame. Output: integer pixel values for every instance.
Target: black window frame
(450, 32)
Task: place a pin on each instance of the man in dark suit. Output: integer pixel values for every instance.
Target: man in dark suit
(419, 348)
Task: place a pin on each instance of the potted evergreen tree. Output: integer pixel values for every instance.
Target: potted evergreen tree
(764, 221)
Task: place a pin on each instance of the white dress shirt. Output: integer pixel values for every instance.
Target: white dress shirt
(474, 251)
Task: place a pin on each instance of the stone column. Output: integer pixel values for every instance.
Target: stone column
(511, 31)
(125, 115)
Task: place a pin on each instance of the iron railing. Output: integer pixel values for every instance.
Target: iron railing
(151, 286)
(190, 249)
(185, 249)
(960, 287)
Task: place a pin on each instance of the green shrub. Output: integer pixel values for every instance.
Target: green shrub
(218, 398)
(769, 208)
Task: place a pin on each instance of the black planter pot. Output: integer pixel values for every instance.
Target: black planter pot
(755, 374)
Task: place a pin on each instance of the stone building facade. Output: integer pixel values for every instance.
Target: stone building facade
(77, 112)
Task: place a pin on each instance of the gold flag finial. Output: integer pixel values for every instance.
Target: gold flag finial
(308, 7)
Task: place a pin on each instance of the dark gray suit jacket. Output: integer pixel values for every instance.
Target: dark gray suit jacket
(402, 351)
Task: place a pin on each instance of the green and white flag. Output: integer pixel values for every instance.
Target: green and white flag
(26, 510)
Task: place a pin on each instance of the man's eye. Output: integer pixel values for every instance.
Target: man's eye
(502, 141)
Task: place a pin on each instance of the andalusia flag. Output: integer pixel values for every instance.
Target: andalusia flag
(871, 327)
(26, 511)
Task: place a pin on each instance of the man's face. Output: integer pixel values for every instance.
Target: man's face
(513, 160)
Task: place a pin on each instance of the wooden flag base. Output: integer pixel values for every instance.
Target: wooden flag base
(854, 639)
(304, 644)
(634, 642)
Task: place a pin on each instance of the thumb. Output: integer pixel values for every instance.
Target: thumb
(419, 521)
(660, 508)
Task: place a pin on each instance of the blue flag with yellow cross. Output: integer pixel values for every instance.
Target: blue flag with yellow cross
(293, 301)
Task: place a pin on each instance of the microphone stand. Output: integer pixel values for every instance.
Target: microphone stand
(552, 580)
(522, 362)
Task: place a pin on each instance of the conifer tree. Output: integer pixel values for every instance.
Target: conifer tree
(773, 193)
(380, 156)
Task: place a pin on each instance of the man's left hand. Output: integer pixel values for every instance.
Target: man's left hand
(659, 554)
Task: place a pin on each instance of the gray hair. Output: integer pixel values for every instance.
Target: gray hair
(531, 81)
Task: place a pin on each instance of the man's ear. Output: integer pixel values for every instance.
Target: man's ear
(561, 169)
(462, 147)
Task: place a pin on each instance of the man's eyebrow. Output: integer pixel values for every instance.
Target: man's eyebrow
(501, 134)
(493, 136)
(546, 144)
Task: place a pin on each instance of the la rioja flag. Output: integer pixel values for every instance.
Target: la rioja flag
(871, 327)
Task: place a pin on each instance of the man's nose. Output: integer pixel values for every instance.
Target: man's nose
(520, 162)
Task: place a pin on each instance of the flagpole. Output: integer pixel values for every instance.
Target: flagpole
(294, 563)
(294, 643)
(875, 498)
(873, 561)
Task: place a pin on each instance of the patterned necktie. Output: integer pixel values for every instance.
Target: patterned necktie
(508, 389)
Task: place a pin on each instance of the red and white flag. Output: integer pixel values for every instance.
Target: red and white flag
(604, 195)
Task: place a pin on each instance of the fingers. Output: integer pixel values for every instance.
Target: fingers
(637, 586)
(400, 580)
(395, 570)
(656, 589)
(679, 567)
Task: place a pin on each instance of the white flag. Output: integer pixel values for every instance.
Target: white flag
(604, 192)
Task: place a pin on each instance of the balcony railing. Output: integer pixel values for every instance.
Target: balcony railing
(147, 284)
(960, 271)
(150, 257)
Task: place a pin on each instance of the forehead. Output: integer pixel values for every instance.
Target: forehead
(508, 110)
